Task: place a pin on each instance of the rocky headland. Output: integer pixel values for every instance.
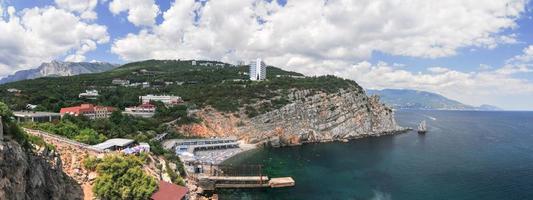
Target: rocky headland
(310, 117)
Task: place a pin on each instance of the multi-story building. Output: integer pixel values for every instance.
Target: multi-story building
(167, 100)
(257, 70)
(88, 110)
(143, 110)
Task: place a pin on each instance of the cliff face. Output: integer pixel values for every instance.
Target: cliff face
(33, 175)
(320, 117)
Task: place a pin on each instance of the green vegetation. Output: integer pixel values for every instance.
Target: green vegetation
(225, 88)
(11, 129)
(122, 177)
(118, 125)
(175, 177)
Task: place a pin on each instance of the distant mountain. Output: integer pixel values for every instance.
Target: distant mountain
(57, 68)
(415, 99)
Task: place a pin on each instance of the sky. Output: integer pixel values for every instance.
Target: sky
(474, 51)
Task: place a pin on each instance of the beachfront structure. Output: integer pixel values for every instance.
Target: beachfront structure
(169, 191)
(144, 110)
(89, 94)
(115, 144)
(30, 116)
(166, 99)
(192, 145)
(142, 147)
(257, 70)
(88, 110)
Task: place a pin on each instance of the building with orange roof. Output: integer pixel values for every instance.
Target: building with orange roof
(88, 110)
(169, 191)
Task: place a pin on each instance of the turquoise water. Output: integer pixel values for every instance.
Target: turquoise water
(465, 155)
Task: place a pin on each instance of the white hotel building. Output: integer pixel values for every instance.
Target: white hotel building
(257, 70)
(167, 100)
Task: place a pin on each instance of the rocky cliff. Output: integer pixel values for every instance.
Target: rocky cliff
(56, 68)
(28, 174)
(311, 117)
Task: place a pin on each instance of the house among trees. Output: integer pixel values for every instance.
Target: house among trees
(13, 90)
(166, 99)
(30, 116)
(120, 82)
(89, 94)
(144, 110)
(88, 110)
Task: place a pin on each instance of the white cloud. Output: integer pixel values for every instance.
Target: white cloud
(438, 70)
(324, 37)
(526, 56)
(140, 12)
(479, 87)
(317, 29)
(34, 35)
(83, 7)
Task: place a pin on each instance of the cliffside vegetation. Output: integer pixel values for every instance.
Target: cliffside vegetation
(121, 177)
(118, 125)
(12, 130)
(224, 87)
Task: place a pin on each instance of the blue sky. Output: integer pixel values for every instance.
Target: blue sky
(472, 51)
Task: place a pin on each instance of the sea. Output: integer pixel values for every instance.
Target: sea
(465, 155)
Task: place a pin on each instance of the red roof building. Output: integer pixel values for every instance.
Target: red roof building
(89, 110)
(169, 191)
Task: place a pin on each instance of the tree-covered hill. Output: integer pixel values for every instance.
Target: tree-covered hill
(223, 86)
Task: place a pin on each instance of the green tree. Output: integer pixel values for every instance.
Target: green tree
(89, 136)
(122, 177)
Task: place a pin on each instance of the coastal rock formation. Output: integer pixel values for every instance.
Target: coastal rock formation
(311, 117)
(25, 174)
(324, 117)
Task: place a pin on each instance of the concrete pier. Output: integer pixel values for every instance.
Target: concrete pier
(226, 182)
(281, 182)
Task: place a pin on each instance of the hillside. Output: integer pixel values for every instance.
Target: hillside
(57, 68)
(224, 87)
(414, 99)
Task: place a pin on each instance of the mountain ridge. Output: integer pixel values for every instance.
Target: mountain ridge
(57, 69)
(423, 100)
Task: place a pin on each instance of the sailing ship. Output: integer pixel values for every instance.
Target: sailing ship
(422, 127)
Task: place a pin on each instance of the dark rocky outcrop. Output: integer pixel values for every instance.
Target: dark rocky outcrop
(34, 174)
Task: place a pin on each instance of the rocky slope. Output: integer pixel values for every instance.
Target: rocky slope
(25, 174)
(310, 117)
(56, 68)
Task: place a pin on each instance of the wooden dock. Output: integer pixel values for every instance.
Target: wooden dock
(226, 182)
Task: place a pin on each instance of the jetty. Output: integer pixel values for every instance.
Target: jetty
(213, 177)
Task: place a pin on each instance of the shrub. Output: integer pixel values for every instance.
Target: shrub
(91, 163)
(122, 177)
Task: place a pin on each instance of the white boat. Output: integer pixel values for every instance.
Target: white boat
(422, 128)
